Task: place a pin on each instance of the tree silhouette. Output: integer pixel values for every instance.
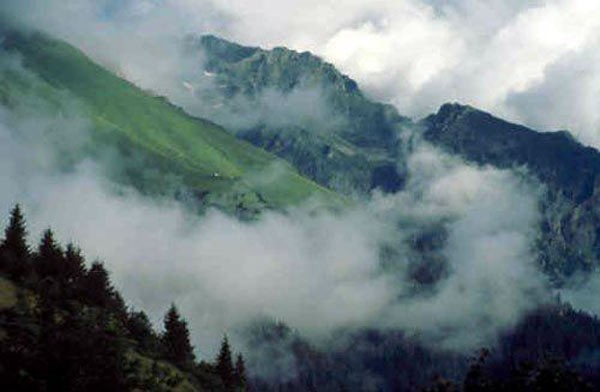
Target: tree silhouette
(476, 378)
(140, 328)
(240, 379)
(97, 290)
(73, 272)
(176, 340)
(70, 330)
(14, 251)
(225, 365)
(49, 260)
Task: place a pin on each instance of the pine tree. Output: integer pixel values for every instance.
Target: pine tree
(73, 272)
(176, 340)
(49, 260)
(139, 326)
(15, 234)
(240, 379)
(14, 251)
(225, 365)
(96, 287)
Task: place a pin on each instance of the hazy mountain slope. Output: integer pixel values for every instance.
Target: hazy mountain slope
(570, 238)
(357, 146)
(205, 158)
(331, 132)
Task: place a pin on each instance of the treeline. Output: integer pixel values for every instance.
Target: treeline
(70, 329)
(554, 348)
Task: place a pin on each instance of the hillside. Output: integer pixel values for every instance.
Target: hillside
(332, 133)
(64, 327)
(155, 139)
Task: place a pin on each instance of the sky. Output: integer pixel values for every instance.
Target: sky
(534, 62)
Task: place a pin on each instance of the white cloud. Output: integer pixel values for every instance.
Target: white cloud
(416, 54)
(316, 271)
(321, 272)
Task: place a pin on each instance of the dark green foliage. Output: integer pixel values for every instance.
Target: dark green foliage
(15, 235)
(70, 330)
(548, 374)
(240, 380)
(476, 379)
(440, 384)
(14, 251)
(94, 346)
(224, 365)
(96, 287)
(553, 374)
(73, 271)
(140, 328)
(176, 340)
(49, 259)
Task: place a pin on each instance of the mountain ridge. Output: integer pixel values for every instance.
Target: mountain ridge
(569, 170)
(570, 240)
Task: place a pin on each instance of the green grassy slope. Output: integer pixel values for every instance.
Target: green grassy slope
(202, 154)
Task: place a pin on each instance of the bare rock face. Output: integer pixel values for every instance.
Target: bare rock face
(570, 231)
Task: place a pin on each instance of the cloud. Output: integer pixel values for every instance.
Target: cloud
(492, 219)
(584, 296)
(416, 54)
(566, 98)
(318, 272)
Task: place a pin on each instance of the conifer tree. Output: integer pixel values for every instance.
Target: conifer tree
(74, 269)
(15, 234)
(96, 286)
(49, 260)
(225, 365)
(176, 340)
(139, 326)
(14, 251)
(240, 373)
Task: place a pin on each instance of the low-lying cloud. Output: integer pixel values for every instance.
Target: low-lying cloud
(316, 272)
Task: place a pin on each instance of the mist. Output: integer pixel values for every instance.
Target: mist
(317, 272)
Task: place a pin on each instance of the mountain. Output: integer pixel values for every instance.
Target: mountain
(53, 315)
(570, 230)
(363, 150)
(161, 148)
(342, 139)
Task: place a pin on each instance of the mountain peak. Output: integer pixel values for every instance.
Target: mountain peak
(480, 137)
(226, 50)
